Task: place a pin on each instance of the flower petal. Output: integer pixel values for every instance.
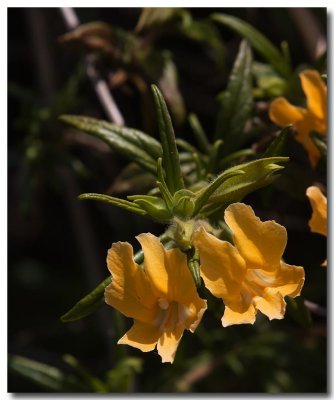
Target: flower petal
(154, 262)
(200, 307)
(168, 343)
(261, 244)
(289, 280)
(181, 284)
(282, 113)
(316, 93)
(222, 267)
(304, 127)
(142, 336)
(130, 291)
(270, 304)
(318, 221)
(235, 317)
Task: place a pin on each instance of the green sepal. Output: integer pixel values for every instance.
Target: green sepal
(194, 266)
(170, 154)
(260, 43)
(184, 207)
(135, 145)
(257, 174)
(236, 102)
(124, 204)
(277, 146)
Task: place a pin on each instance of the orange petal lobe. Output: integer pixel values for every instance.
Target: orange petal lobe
(142, 336)
(261, 244)
(130, 291)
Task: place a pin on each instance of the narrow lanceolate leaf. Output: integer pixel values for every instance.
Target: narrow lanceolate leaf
(45, 376)
(124, 204)
(277, 146)
(236, 102)
(93, 300)
(259, 42)
(204, 195)
(88, 304)
(170, 157)
(257, 174)
(135, 145)
(200, 135)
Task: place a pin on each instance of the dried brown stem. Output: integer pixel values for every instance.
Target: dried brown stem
(100, 85)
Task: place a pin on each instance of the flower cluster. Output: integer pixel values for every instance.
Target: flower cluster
(161, 296)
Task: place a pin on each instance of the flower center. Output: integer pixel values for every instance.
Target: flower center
(171, 314)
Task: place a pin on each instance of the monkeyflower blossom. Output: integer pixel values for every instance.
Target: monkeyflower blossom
(318, 221)
(313, 118)
(161, 297)
(250, 275)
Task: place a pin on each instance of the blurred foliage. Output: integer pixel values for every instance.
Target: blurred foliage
(217, 70)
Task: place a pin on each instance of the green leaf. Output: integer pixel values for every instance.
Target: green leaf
(206, 33)
(124, 204)
(95, 383)
(277, 146)
(257, 174)
(168, 83)
(204, 195)
(200, 135)
(260, 43)
(170, 157)
(214, 156)
(88, 304)
(157, 17)
(132, 179)
(236, 102)
(47, 377)
(135, 145)
(119, 378)
(161, 183)
(226, 161)
(153, 206)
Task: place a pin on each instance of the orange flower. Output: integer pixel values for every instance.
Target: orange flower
(305, 120)
(249, 276)
(318, 221)
(161, 297)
